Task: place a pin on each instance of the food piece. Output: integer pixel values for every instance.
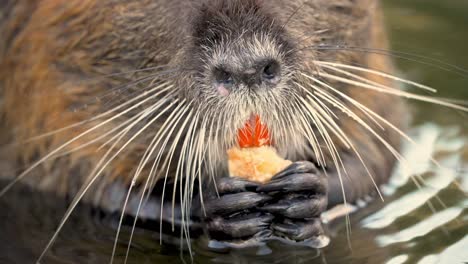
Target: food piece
(257, 164)
(255, 160)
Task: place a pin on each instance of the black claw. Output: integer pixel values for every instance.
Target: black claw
(296, 183)
(240, 227)
(233, 185)
(298, 230)
(264, 234)
(230, 203)
(297, 167)
(298, 207)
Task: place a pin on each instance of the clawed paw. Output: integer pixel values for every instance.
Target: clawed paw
(288, 206)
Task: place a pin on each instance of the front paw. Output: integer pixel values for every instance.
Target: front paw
(289, 206)
(299, 196)
(232, 214)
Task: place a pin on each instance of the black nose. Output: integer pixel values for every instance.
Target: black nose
(264, 73)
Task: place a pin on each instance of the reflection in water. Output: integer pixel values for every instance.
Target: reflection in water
(456, 253)
(418, 163)
(446, 219)
(398, 259)
(420, 229)
(414, 225)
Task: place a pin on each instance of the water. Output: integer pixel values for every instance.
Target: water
(413, 225)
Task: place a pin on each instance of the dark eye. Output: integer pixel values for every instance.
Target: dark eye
(223, 77)
(271, 70)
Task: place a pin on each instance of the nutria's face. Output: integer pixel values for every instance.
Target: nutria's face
(242, 63)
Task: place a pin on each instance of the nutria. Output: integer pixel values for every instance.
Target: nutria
(129, 103)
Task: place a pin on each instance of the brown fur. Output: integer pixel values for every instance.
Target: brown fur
(55, 55)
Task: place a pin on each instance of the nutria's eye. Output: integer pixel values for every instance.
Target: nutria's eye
(271, 71)
(224, 78)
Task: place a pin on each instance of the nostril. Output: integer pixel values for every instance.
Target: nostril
(223, 81)
(271, 72)
(223, 77)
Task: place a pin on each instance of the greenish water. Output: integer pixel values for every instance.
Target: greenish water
(436, 30)
(414, 225)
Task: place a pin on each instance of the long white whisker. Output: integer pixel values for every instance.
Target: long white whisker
(140, 168)
(324, 113)
(176, 110)
(135, 99)
(369, 111)
(337, 129)
(323, 119)
(359, 120)
(314, 116)
(56, 150)
(379, 73)
(133, 180)
(91, 142)
(85, 188)
(211, 154)
(338, 103)
(310, 135)
(394, 152)
(159, 104)
(191, 161)
(181, 171)
(396, 92)
(335, 155)
(358, 155)
(201, 150)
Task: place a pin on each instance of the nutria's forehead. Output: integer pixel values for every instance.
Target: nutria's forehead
(231, 21)
(239, 33)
